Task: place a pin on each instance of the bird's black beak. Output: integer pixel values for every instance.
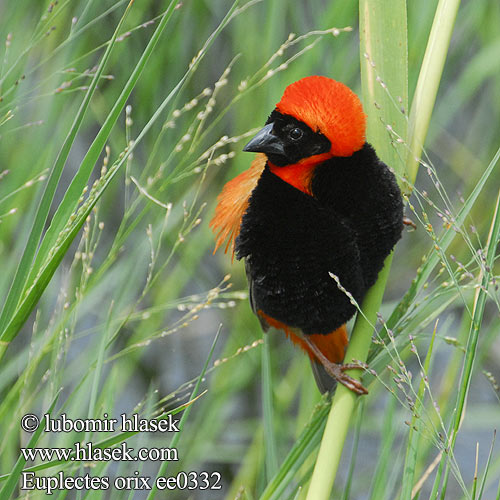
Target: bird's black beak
(266, 142)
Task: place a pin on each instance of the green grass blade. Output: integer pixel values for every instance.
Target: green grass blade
(76, 221)
(428, 81)
(475, 327)
(425, 270)
(487, 466)
(23, 269)
(13, 478)
(354, 453)
(70, 200)
(268, 414)
(415, 430)
(302, 448)
(185, 415)
(105, 443)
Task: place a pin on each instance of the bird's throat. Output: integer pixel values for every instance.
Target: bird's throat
(299, 175)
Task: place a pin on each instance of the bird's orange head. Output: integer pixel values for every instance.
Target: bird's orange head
(316, 119)
(328, 107)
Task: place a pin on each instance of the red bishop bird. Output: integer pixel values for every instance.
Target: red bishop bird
(316, 201)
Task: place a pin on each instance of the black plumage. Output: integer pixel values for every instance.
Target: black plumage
(314, 218)
(291, 240)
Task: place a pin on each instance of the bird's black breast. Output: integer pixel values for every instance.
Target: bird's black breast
(291, 242)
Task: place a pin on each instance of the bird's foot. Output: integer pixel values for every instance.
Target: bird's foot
(409, 222)
(337, 371)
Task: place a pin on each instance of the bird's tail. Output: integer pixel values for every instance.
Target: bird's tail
(323, 380)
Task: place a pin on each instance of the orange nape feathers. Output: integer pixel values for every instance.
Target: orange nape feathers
(233, 202)
(329, 107)
(332, 345)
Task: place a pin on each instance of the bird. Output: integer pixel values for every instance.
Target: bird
(313, 218)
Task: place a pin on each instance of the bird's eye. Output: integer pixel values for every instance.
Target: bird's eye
(295, 134)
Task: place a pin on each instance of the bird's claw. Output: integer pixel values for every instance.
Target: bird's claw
(408, 222)
(337, 371)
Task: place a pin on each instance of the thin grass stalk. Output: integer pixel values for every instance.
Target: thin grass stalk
(185, 416)
(487, 466)
(73, 193)
(42, 212)
(13, 477)
(384, 465)
(474, 481)
(73, 226)
(475, 326)
(407, 490)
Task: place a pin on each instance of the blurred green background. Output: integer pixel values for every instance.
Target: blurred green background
(143, 276)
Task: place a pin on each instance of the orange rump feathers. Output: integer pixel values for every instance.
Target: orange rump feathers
(332, 345)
